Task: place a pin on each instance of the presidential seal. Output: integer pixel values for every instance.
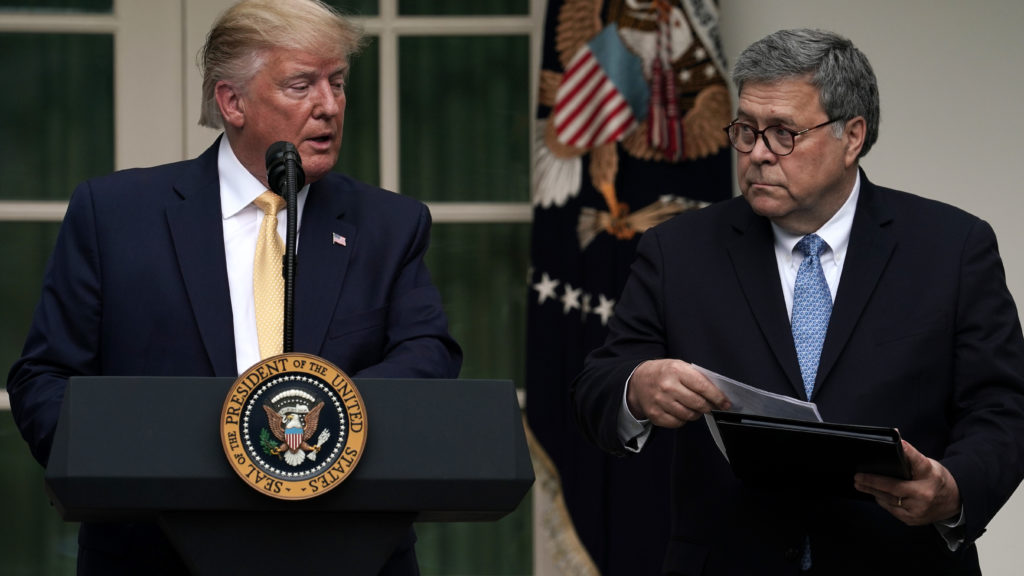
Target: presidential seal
(293, 426)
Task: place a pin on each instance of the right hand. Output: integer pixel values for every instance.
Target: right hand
(671, 393)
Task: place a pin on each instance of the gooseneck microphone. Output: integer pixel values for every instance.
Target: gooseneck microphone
(286, 178)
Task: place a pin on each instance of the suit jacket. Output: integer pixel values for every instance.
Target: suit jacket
(137, 285)
(924, 336)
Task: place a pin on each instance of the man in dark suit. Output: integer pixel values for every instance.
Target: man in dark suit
(917, 331)
(152, 273)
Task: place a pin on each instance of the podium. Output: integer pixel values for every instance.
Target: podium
(148, 449)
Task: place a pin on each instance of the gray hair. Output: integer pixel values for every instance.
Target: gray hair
(846, 84)
(236, 46)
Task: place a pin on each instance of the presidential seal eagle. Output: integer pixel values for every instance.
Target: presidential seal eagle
(294, 428)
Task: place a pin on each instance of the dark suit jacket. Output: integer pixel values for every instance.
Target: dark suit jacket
(923, 336)
(137, 285)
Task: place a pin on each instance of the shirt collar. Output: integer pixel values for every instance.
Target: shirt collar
(835, 232)
(238, 187)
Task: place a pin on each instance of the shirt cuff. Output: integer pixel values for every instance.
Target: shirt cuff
(633, 433)
(948, 529)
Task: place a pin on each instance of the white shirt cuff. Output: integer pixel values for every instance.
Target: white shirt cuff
(633, 433)
(948, 531)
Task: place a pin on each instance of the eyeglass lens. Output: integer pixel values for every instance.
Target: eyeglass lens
(744, 138)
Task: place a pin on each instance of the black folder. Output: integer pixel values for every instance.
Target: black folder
(809, 458)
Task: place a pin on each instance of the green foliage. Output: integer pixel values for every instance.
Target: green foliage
(267, 443)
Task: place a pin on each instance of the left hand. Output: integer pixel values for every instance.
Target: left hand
(931, 495)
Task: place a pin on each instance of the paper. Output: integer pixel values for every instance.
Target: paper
(747, 399)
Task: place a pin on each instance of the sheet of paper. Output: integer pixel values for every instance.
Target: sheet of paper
(747, 399)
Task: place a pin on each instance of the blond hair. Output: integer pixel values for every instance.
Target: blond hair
(237, 44)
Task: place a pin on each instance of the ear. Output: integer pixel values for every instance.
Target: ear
(854, 134)
(231, 104)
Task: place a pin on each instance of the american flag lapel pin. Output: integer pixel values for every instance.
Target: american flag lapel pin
(338, 240)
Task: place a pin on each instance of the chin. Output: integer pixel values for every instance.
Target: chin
(767, 207)
(318, 166)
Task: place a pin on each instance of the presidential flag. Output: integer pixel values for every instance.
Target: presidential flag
(632, 104)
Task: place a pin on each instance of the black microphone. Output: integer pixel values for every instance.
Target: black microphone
(282, 157)
(286, 178)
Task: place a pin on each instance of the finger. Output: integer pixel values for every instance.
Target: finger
(875, 484)
(673, 418)
(706, 390)
(692, 400)
(679, 409)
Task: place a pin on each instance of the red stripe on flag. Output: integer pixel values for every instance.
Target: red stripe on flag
(574, 103)
(565, 98)
(595, 140)
(596, 109)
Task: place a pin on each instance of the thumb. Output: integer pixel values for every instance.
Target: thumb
(919, 463)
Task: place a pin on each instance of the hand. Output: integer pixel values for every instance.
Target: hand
(671, 393)
(931, 495)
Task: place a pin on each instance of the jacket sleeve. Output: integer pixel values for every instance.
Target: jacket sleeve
(64, 337)
(635, 333)
(985, 453)
(417, 343)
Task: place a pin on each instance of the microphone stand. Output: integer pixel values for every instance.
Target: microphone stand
(286, 178)
(291, 198)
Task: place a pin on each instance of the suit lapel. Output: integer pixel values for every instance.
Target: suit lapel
(321, 263)
(198, 235)
(753, 257)
(871, 245)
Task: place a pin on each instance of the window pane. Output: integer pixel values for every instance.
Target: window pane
(464, 118)
(24, 247)
(59, 5)
(356, 7)
(480, 270)
(360, 143)
(462, 7)
(59, 122)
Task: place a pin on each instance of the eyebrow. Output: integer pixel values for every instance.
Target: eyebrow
(312, 73)
(770, 121)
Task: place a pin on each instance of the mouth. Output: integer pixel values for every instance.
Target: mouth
(322, 141)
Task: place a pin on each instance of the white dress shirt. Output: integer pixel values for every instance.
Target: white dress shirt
(242, 219)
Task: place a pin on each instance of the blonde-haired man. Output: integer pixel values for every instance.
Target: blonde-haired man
(152, 274)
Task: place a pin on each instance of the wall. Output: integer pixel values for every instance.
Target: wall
(950, 83)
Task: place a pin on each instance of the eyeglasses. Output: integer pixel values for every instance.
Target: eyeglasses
(780, 141)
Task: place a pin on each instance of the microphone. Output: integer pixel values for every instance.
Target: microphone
(282, 158)
(286, 178)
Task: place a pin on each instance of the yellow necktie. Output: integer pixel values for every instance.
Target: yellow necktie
(267, 279)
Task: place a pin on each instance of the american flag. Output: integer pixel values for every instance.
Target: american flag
(339, 240)
(602, 90)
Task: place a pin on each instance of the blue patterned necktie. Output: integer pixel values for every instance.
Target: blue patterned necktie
(812, 306)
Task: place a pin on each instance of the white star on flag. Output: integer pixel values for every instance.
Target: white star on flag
(545, 288)
(605, 309)
(571, 298)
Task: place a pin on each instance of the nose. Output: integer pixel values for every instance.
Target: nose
(327, 102)
(761, 154)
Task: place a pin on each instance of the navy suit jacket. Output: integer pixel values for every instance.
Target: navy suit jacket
(924, 336)
(137, 285)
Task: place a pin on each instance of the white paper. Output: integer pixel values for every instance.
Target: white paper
(747, 399)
